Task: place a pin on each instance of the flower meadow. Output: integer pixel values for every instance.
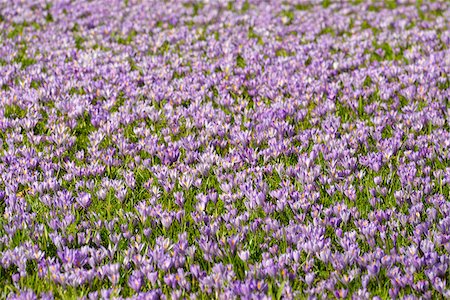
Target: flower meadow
(224, 149)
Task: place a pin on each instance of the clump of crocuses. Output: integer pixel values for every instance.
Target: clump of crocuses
(224, 149)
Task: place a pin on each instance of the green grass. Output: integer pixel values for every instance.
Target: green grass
(126, 211)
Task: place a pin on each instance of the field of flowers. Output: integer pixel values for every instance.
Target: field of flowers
(224, 149)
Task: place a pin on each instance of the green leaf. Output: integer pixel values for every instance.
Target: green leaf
(280, 290)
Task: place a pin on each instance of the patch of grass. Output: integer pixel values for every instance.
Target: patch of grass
(289, 15)
(326, 3)
(121, 40)
(82, 131)
(327, 30)
(17, 30)
(302, 6)
(253, 35)
(23, 59)
(240, 62)
(79, 40)
(164, 48)
(390, 4)
(35, 84)
(282, 53)
(120, 101)
(245, 6)
(14, 111)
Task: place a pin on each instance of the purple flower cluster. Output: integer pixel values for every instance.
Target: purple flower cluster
(241, 149)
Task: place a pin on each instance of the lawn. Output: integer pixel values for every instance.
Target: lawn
(214, 149)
